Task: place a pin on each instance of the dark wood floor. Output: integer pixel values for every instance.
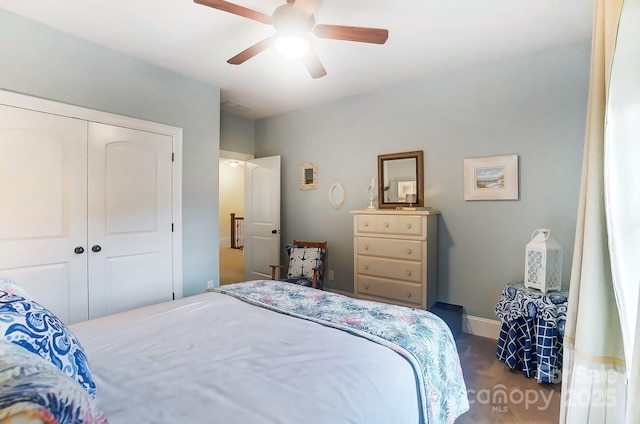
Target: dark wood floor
(499, 395)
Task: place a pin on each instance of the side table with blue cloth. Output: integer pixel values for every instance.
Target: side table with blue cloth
(532, 330)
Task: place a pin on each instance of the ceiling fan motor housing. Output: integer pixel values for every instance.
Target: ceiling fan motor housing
(288, 19)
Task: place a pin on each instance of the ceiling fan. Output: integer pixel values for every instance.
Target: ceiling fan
(294, 21)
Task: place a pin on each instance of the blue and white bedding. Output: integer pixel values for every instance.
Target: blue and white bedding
(241, 354)
(421, 337)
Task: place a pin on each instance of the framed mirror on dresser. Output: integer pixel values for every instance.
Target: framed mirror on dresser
(400, 180)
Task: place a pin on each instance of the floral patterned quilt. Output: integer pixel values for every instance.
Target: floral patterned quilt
(419, 336)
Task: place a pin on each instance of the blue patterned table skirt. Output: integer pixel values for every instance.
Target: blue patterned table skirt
(532, 330)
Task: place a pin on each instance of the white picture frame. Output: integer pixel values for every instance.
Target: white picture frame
(404, 188)
(308, 176)
(491, 178)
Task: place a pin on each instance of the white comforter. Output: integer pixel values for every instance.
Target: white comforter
(212, 358)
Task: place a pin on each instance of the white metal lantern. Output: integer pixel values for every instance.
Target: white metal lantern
(543, 262)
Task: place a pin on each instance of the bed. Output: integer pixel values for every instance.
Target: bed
(273, 352)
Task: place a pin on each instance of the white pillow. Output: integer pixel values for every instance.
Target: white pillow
(302, 260)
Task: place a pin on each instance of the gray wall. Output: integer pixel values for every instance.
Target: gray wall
(46, 63)
(237, 134)
(533, 106)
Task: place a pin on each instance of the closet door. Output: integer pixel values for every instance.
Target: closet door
(130, 219)
(43, 209)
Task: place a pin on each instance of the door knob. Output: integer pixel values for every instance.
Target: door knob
(274, 231)
(96, 248)
(79, 250)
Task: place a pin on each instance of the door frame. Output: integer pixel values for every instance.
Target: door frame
(24, 101)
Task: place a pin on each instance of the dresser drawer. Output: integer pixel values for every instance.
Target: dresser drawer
(409, 250)
(389, 268)
(389, 289)
(392, 225)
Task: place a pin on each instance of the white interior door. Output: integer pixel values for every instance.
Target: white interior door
(43, 217)
(261, 217)
(130, 219)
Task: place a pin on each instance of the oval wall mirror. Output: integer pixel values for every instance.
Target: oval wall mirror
(337, 194)
(400, 180)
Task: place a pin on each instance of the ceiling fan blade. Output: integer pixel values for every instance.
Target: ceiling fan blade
(306, 6)
(348, 33)
(315, 68)
(247, 54)
(236, 10)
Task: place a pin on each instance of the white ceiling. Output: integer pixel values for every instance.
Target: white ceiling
(424, 36)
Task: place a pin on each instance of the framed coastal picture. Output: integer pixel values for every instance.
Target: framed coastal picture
(491, 178)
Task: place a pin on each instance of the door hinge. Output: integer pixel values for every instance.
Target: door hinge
(172, 227)
(173, 295)
(173, 157)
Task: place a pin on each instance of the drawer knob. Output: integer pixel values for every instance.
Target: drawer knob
(366, 287)
(408, 251)
(409, 226)
(408, 273)
(366, 267)
(365, 247)
(408, 294)
(386, 225)
(366, 224)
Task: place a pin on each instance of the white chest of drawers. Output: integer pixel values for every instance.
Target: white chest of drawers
(395, 254)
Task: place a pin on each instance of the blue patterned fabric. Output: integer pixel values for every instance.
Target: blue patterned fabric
(532, 330)
(419, 336)
(32, 326)
(33, 390)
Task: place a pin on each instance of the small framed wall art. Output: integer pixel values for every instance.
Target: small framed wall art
(308, 176)
(491, 178)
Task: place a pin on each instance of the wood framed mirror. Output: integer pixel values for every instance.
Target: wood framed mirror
(401, 180)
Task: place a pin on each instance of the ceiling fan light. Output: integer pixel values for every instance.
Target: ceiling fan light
(292, 46)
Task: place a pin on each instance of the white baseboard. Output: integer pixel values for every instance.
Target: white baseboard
(482, 327)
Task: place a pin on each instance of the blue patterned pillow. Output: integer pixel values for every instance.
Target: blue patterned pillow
(35, 328)
(33, 390)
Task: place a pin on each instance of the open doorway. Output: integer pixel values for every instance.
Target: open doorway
(231, 200)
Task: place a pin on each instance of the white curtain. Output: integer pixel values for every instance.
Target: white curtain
(622, 195)
(603, 315)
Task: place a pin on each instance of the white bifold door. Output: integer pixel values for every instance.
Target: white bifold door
(86, 214)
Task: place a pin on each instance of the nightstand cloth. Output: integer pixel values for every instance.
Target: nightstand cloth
(532, 330)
